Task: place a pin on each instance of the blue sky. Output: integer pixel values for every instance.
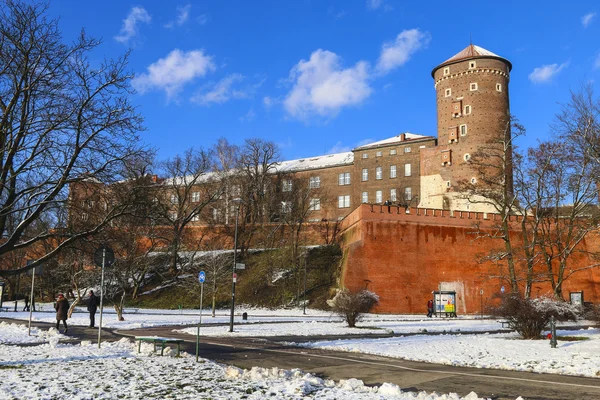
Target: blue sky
(321, 76)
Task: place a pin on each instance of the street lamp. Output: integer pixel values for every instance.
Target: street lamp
(233, 275)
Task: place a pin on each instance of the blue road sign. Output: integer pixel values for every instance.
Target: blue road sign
(201, 276)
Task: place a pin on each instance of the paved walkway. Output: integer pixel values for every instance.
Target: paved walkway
(409, 375)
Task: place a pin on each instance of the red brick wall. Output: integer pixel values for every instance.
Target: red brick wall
(404, 257)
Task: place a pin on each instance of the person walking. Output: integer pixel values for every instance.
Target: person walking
(429, 308)
(26, 306)
(92, 306)
(62, 310)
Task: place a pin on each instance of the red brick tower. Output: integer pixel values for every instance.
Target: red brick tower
(472, 109)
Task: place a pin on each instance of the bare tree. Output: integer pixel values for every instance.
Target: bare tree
(493, 165)
(189, 188)
(62, 121)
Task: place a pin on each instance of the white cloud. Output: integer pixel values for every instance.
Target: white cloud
(597, 62)
(183, 14)
(546, 72)
(268, 101)
(130, 24)
(223, 91)
(323, 87)
(202, 19)
(374, 4)
(338, 148)
(174, 71)
(397, 53)
(587, 19)
(249, 116)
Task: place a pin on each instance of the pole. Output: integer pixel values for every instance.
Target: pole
(101, 296)
(30, 298)
(15, 291)
(199, 322)
(304, 296)
(233, 277)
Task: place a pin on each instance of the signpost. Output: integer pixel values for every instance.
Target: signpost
(33, 271)
(201, 279)
(103, 256)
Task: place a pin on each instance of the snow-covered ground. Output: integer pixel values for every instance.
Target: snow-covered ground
(499, 351)
(83, 371)
(145, 318)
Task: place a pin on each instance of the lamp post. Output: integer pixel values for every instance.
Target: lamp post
(233, 275)
(304, 296)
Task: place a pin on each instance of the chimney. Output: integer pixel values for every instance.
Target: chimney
(402, 137)
(154, 178)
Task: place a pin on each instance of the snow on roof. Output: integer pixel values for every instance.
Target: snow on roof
(472, 51)
(328, 160)
(401, 138)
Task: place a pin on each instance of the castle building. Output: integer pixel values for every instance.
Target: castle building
(410, 169)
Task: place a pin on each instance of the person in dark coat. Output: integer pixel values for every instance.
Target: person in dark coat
(92, 306)
(26, 306)
(429, 308)
(62, 309)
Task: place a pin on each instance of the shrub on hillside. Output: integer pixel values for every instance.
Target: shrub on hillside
(529, 317)
(351, 305)
(592, 313)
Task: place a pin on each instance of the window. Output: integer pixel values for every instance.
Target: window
(196, 218)
(216, 214)
(473, 180)
(379, 196)
(314, 182)
(173, 199)
(473, 86)
(365, 197)
(378, 173)
(447, 71)
(408, 194)
(286, 207)
(393, 196)
(344, 178)
(467, 110)
(392, 152)
(378, 154)
(365, 174)
(448, 92)
(365, 155)
(344, 201)
(173, 215)
(392, 171)
(84, 216)
(448, 184)
(407, 150)
(467, 157)
(472, 65)
(498, 87)
(195, 197)
(236, 190)
(463, 130)
(287, 185)
(315, 204)
(407, 170)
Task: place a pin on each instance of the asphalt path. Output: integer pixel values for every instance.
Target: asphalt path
(371, 369)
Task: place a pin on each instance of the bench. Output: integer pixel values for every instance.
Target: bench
(160, 340)
(505, 324)
(5, 309)
(130, 310)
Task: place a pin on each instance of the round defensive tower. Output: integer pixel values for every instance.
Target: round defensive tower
(472, 108)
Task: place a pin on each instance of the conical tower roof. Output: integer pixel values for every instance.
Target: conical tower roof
(469, 52)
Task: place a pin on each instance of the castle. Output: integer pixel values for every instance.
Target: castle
(410, 169)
